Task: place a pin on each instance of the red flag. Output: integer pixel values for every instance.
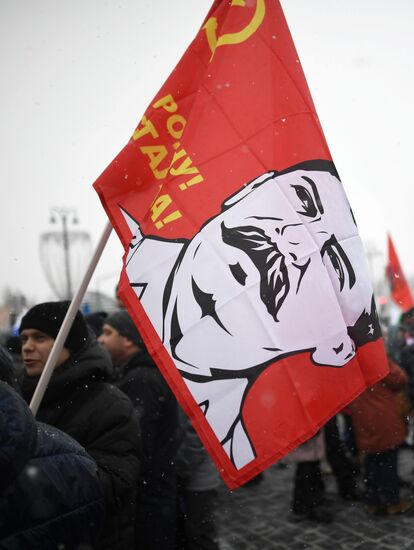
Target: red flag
(400, 291)
(243, 268)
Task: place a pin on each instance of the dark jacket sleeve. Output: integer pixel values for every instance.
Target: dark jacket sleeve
(157, 411)
(191, 452)
(56, 497)
(116, 446)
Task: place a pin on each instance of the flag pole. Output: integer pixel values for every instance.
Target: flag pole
(67, 323)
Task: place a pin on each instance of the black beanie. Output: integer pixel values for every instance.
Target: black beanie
(48, 318)
(121, 321)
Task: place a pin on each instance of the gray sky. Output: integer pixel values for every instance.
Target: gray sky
(77, 76)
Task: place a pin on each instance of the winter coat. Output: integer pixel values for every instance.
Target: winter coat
(157, 410)
(377, 421)
(101, 418)
(50, 493)
(195, 469)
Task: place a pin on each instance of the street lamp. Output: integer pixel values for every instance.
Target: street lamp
(65, 215)
(75, 246)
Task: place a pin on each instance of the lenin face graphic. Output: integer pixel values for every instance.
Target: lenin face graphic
(280, 270)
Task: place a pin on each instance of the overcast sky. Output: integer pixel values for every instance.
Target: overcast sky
(77, 76)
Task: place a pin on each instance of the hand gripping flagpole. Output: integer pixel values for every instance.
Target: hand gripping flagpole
(67, 323)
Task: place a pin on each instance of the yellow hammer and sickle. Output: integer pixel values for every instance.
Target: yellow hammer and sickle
(236, 37)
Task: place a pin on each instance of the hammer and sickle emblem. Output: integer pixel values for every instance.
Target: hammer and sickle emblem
(215, 41)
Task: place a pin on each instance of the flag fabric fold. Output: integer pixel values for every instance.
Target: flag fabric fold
(243, 266)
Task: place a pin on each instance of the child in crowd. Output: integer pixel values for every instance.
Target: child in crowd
(309, 490)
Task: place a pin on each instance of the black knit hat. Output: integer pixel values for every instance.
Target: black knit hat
(121, 321)
(48, 318)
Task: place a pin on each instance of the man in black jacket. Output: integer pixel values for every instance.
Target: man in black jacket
(137, 376)
(79, 402)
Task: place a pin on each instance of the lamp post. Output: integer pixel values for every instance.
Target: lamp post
(64, 252)
(65, 215)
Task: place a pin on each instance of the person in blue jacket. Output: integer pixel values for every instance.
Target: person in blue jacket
(50, 493)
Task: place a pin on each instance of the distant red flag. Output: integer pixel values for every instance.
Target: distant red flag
(400, 291)
(243, 268)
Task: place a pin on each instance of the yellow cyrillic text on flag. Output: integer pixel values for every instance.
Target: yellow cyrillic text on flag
(167, 160)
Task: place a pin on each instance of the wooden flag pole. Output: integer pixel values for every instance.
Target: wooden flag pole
(67, 323)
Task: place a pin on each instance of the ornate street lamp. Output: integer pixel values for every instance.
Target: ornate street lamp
(64, 252)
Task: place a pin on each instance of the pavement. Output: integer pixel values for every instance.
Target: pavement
(257, 517)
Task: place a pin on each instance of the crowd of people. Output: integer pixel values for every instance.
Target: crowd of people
(364, 460)
(112, 462)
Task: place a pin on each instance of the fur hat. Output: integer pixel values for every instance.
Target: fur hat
(48, 318)
(121, 321)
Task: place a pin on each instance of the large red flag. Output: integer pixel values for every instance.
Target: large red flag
(243, 268)
(400, 291)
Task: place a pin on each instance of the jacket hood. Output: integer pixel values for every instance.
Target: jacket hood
(18, 435)
(91, 363)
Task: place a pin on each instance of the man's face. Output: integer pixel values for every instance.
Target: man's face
(114, 343)
(36, 347)
(277, 272)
